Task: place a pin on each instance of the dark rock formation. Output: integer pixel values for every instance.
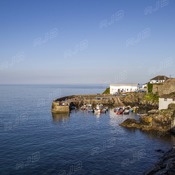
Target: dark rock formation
(154, 120)
(143, 100)
(166, 166)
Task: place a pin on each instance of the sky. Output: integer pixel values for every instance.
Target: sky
(86, 41)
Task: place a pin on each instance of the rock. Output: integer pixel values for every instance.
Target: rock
(166, 165)
(171, 171)
(153, 111)
(146, 120)
(171, 106)
(130, 123)
(172, 130)
(161, 121)
(160, 151)
(143, 115)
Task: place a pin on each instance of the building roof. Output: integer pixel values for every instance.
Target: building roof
(124, 84)
(160, 77)
(171, 95)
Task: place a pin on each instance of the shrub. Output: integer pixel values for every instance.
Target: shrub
(152, 97)
(150, 88)
(107, 91)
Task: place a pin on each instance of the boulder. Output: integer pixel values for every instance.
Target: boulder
(172, 130)
(153, 111)
(130, 123)
(171, 106)
(166, 165)
(146, 120)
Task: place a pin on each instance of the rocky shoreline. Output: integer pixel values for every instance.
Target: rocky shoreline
(151, 120)
(161, 122)
(166, 165)
(154, 120)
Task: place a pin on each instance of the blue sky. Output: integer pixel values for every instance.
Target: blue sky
(86, 41)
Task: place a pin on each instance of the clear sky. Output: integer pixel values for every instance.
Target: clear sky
(86, 41)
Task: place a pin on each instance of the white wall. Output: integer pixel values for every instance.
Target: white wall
(125, 88)
(163, 103)
(143, 86)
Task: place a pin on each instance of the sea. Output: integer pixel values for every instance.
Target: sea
(35, 142)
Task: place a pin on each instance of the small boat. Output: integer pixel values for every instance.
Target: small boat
(120, 111)
(90, 110)
(97, 111)
(126, 111)
(116, 109)
(103, 110)
(131, 110)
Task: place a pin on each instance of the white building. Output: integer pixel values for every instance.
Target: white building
(165, 100)
(159, 79)
(142, 86)
(115, 88)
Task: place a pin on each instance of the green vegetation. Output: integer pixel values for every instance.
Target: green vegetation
(171, 106)
(150, 88)
(107, 91)
(151, 97)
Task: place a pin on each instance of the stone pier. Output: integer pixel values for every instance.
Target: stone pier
(64, 104)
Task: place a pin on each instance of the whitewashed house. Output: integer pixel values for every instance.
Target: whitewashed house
(143, 86)
(115, 88)
(159, 79)
(165, 100)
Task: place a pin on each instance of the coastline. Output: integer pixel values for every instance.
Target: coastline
(166, 164)
(161, 122)
(147, 123)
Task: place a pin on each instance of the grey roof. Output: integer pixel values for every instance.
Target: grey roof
(124, 84)
(160, 77)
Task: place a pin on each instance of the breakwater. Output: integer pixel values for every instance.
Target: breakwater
(129, 99)
(64, 104)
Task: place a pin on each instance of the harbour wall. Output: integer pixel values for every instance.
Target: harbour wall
(64, 104)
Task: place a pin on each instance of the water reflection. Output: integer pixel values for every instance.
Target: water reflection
(114, 122)
(163, 137)
(57, 118)
(115, 119)
(97, 116)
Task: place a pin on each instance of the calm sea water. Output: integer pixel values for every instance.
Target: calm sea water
(33, 142)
